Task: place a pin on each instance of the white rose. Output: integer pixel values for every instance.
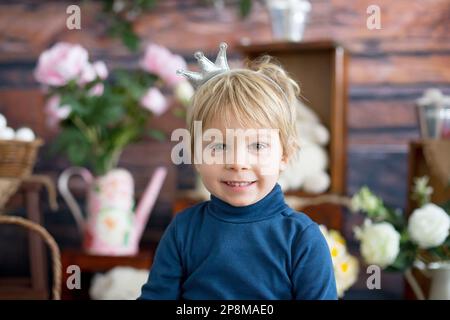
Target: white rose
(365, 200)
(380, 243)
(429, 226)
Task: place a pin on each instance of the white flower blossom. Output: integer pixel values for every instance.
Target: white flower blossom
(429, 226)
(365, 200)
(346, 266)
(380, 243)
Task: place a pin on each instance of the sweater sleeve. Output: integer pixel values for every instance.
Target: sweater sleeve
(164, 281)
(312, 271)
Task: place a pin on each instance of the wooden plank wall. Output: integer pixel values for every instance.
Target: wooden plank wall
(389, 68)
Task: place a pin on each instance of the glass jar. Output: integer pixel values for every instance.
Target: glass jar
(289, 18)
(434, 120)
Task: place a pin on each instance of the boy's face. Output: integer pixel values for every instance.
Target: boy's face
(238, 168)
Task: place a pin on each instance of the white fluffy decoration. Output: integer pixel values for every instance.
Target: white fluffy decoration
(25, 134)
(3, 121)
(120, 283)
(309, 170)
(6, 133)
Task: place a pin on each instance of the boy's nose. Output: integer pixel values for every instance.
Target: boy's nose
(237, 161)
(237, 166)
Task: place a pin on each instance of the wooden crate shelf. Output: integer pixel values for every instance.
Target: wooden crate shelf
(320, 68)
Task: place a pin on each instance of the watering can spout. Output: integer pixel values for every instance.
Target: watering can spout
(147, 202)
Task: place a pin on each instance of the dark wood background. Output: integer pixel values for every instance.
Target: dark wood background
(388, 70)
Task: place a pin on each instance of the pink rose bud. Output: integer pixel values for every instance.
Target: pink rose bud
(100, 69)
(154, 101)
(97, 90)
(55, 112)
(170, 75)
(87, 74)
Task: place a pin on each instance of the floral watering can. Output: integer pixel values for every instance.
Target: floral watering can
(111, 226)
(439, 274)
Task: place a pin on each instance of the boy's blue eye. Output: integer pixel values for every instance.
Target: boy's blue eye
(258, 146)
(218, 147)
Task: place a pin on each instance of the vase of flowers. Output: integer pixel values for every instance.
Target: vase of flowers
(97, 119)
(394, 243)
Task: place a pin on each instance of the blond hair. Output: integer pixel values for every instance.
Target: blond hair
(262, 94)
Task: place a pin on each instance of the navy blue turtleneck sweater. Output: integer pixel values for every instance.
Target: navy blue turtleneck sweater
(266, 250)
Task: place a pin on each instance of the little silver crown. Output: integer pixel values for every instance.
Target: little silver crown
(208, 69)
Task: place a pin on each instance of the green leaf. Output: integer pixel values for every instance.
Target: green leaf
(124, 30)
(108, 115)
(446, 206)
(123, 136)
(74, 103)
(129, 38)
(157, 134)
(108, 5)
(146, 4)
(405, 258)
(179, 112)
(78, 154)
(245, 6)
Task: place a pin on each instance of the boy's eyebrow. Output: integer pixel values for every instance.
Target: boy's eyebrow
(259, 132)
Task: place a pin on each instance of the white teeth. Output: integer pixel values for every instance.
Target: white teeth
(238, 184)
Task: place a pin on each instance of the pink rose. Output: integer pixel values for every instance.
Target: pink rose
(154, 101)
(97, 90)
(90, 72)
(169, 73)
(163, 63)
(87, 74)
(60, 64)
(55, 112)
(100, 69)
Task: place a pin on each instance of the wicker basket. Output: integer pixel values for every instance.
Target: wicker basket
(17, 160)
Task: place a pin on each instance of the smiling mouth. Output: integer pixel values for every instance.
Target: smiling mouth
(239, 183)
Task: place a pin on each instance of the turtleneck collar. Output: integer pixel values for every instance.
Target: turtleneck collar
(265, 208)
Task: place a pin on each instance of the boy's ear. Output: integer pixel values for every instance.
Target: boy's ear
(284, 162)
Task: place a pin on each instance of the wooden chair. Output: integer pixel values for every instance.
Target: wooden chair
(20, 289)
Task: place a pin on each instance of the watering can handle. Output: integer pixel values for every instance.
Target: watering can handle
(63, 187)
(422, 267)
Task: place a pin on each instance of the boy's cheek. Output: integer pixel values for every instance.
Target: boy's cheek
(268, 167)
